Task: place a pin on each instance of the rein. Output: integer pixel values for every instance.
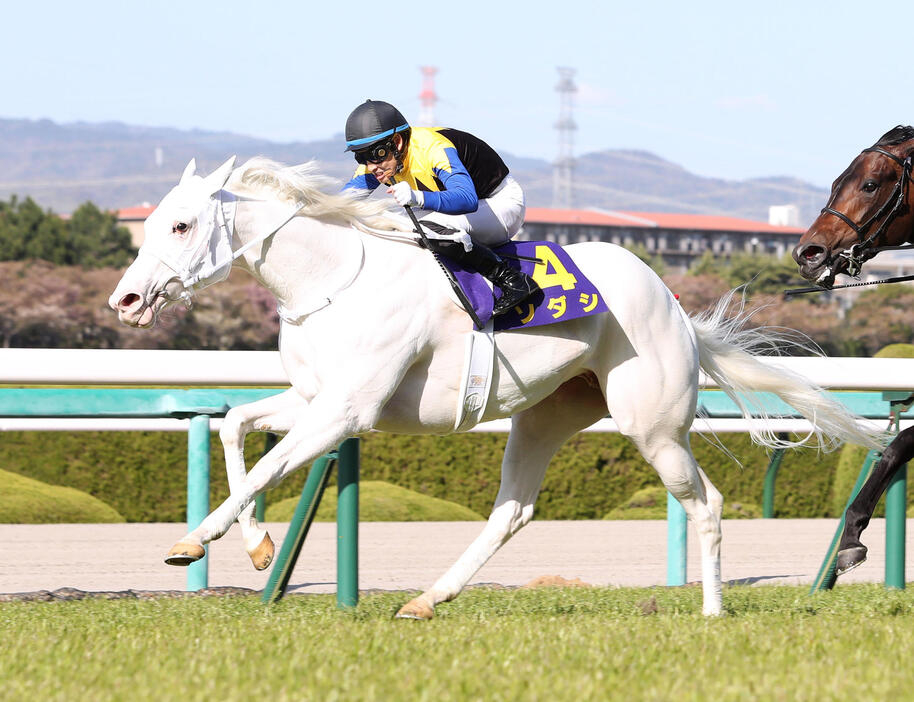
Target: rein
(894, 205)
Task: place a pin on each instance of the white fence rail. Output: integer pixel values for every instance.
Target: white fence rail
(264, 368)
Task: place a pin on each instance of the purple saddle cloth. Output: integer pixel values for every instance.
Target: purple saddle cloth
(565, 292)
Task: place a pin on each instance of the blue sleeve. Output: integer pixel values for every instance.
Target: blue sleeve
(364, 181)
(459, 193)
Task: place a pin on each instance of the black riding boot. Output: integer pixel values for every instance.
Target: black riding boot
(516, 286)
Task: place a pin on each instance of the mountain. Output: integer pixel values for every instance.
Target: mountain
(117, 165)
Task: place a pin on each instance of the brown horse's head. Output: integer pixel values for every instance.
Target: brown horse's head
(868, 208)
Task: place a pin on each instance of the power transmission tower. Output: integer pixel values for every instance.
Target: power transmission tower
(428, 97)
(563, 168)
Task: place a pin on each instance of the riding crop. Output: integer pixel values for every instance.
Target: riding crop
(800, 291)
(461, 295)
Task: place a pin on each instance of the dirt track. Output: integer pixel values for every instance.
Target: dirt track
(410, 556)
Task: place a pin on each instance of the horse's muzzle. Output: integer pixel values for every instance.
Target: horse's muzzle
(814, 263)
(132, 310)
(810, 256)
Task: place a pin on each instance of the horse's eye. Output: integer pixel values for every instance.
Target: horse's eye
(179, 227)
(869, 186)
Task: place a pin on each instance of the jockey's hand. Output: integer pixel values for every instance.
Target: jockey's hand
(404, 195)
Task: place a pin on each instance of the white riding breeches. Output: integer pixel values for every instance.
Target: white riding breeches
(498, 218)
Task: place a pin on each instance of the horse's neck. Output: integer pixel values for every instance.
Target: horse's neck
(307, 259)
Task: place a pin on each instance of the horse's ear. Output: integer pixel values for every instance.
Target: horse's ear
(218, 178)
(189, 171)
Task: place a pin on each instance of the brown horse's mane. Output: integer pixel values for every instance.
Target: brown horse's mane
(896, 135)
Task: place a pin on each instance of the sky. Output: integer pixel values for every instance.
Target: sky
(730, 89)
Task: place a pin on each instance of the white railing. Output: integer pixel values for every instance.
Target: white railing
(264, 368)
(129, 367)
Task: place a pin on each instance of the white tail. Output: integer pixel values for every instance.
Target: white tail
(727, 353)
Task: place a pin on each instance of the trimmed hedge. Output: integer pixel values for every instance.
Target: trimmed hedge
(593, 473)
(651, 503)
(142, 475)
(895, 351)
(381, 502)
(27, 501)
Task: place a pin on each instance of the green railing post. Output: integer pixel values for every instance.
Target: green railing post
(347, 525)
(771, 475)
(298, 528)
(198, 493)
(676, 542)
(896, 503)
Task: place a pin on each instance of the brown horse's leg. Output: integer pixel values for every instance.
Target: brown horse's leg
(851, 552)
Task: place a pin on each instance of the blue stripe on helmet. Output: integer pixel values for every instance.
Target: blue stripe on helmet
(377, 137)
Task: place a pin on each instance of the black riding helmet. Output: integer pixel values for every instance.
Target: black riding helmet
(373, 121)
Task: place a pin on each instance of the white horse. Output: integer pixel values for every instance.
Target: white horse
(373, 339)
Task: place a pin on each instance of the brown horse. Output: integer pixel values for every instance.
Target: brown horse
(869, 211)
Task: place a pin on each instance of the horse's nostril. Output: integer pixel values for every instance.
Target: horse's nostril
(128, 301)
(809, 253)
(812, 252)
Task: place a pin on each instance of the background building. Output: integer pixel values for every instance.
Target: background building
(678, 239)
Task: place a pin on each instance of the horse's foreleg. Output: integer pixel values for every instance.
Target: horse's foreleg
(536, 434)
(851, 552)
(318, 429)
(275, 414)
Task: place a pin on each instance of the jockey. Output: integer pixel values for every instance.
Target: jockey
(468, 201)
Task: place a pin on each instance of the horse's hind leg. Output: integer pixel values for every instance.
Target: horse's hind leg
(851, 552)
(536, 434)
(673, 460)
(276, 414)
(703, 504)
(656, 417)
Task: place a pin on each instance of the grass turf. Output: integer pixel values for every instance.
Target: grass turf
(775, 643)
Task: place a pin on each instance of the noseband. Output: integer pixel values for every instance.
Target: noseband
(894, 205)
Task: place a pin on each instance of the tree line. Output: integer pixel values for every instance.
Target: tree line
(89, 237)
(43, 305)
(56, 276)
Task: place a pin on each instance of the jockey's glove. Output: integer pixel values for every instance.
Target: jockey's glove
(404, 195)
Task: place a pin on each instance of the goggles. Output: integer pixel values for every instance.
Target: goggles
(375, 153)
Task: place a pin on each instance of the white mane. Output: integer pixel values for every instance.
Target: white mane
(304, 185)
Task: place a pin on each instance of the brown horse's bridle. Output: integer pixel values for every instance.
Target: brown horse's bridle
(894, 205)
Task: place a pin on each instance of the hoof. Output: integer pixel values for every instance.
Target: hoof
(416, 609)
(262, 556)
(850, 558)
(183, 554)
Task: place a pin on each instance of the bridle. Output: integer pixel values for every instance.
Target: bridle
(894, 205)
(210, 259)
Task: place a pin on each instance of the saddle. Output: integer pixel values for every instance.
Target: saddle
(565, 292)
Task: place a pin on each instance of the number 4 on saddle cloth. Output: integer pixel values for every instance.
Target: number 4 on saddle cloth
(565, 291)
